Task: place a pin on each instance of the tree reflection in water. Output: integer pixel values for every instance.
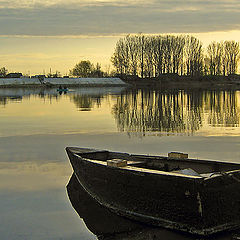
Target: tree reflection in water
(185, 112)
(223, 108)
(4, 100)
(85, 102)
(153, 110)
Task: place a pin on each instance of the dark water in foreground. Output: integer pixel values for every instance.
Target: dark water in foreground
(36, 125)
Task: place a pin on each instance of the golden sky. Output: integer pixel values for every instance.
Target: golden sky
(37, 35)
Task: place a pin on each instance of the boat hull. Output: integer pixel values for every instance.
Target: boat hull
(181, 203)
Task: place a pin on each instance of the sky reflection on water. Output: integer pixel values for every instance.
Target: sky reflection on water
(36, 127)
(136, 111)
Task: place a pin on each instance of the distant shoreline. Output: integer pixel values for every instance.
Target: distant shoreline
(171, 81)
(57, 85)
(185, 82)
(57, 82)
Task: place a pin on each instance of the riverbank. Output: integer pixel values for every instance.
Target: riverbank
(185, 82)
(56, 82)
(172, 81)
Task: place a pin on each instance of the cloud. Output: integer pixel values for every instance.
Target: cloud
(114, 17)
(69, 4)
(73, 4)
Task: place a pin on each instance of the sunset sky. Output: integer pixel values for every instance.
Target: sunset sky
(37, 35)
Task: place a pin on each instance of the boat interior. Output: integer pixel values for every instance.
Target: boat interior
(174, 163)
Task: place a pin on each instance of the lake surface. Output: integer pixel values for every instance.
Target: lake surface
(36, 125)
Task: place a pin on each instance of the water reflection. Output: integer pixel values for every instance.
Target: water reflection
(223, 108)
(93, 93)
(42, 123)
(9, 95)
(108, 226)
(4, 100)
(141, 112)
(99, 220)
(86, 102)
(175, 111)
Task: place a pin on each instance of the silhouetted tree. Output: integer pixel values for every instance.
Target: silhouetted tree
(149, 56)
(87, 69)
(153, 55)
(96, 71)
(82, 69)
(141, 43)
(232, 52)
(177, 46)
(120, 57)
(3, 72)
(158, 54)
(215, 55)
(194, 56)
(132, 46)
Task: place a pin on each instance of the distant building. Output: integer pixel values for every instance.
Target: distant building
(14, 75)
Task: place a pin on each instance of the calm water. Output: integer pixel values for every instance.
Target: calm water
(36, 125)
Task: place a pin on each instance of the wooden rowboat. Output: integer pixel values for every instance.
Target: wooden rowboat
(195, 196)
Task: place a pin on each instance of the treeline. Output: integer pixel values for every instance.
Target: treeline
(151, 56)
(84, 69)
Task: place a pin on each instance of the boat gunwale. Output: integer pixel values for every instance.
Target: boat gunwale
(153, 157)
(159, 172)
(140, 170)
(201, 161)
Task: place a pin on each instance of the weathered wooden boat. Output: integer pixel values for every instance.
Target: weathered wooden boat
(195, 196)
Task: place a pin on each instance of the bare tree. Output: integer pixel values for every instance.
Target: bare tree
(120, 57)
(215, 54)
(159, 54)
(194, 56)
(155, 55)
(132, 46)
(178, 44)
(232, 51)
(148, 57)
(141, 48)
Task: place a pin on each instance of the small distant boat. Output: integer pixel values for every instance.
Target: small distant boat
(62, 89)
(195, 196)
